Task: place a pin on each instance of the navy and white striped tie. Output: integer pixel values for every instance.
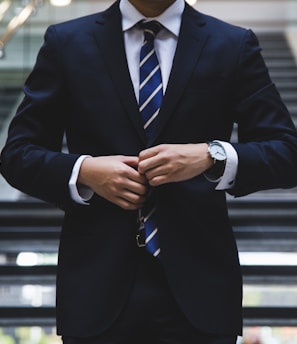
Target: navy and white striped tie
(150, 99)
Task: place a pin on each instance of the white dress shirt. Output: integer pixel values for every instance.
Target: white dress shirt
(165, 46)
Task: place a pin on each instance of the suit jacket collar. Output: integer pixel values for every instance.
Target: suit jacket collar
(190, 45)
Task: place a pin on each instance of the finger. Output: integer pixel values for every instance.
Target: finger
(137, 188)
(132, 197)
(129, 200)
(159, 180)
(130, 160)
(126, 199)
(133, 174)
(149, 158)
(148, 153)
(127, 205)
(137, 177)
(149, 164)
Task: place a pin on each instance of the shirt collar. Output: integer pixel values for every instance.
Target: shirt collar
(170, 19)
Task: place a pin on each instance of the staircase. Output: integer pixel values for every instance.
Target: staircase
(265, 222)
(282, 67)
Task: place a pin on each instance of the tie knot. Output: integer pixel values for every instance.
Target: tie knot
(151, 29)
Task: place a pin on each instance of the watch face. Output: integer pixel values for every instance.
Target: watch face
(217, 151)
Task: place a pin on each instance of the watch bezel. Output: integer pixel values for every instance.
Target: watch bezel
(213, 155)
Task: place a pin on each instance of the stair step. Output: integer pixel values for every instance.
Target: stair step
(281, 64)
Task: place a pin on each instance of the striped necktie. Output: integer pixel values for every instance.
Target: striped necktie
(150, 88)
(150, 99)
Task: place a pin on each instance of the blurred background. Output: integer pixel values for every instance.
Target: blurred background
(265, 223)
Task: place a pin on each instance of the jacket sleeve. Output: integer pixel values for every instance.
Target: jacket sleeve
(32, 159)
(267, 141)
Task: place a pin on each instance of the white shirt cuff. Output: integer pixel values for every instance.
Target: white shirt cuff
(79, 193)
(228, 178)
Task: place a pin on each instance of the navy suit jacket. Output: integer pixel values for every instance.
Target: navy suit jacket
(81, 86)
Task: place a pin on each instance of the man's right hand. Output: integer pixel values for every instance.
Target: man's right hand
(116, 179)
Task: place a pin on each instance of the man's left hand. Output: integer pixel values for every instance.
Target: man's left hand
(169, 163)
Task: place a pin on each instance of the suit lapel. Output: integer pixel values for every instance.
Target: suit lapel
(190, 45)
(109, 36)
(108, 33)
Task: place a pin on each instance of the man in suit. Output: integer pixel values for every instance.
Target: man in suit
(85, 84)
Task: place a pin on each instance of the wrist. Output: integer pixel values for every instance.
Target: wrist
(209, 161)
(218, 156)
(84, 172)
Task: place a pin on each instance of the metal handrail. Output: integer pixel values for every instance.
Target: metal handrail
(17, 21)
(4, 7)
